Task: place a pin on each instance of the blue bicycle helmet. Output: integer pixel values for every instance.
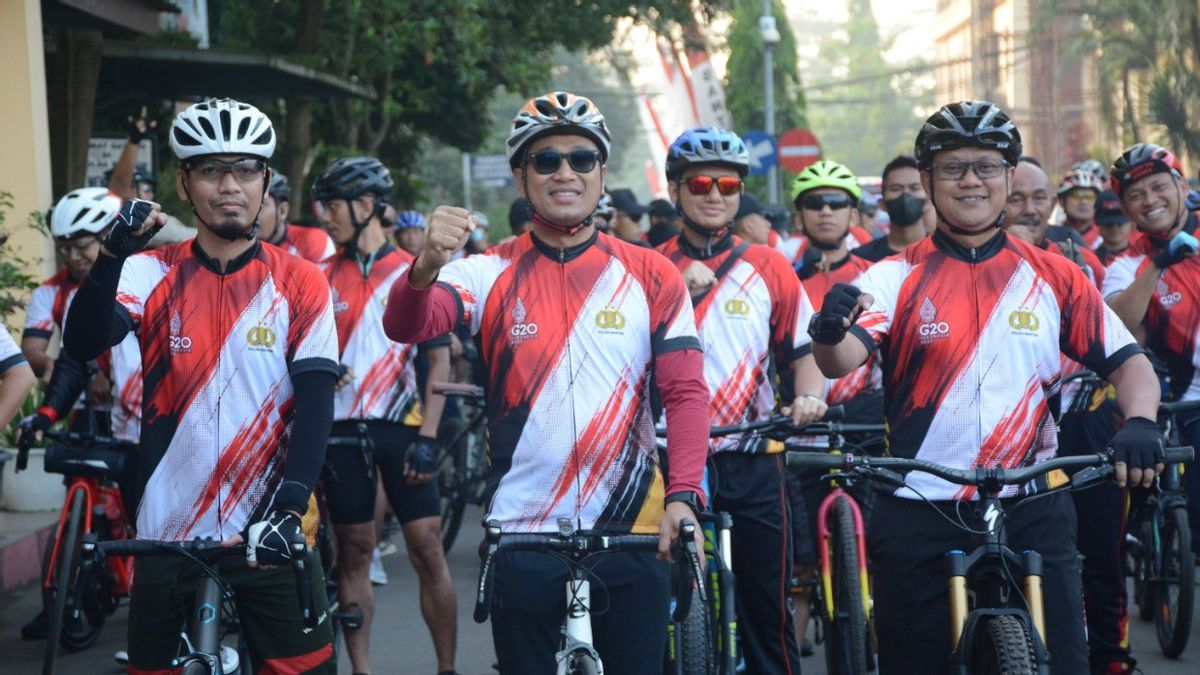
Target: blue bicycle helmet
(707, 145)
(410, 219)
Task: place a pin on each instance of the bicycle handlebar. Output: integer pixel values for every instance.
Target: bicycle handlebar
(80, 439)
(833, 414)
(458, 389)
(1176, 407)
(586, 543)
(207, 548)
(976, 476)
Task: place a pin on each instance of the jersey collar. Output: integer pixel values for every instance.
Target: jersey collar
(967, 254)
(563, 255)
(233, 266)
(719, 246)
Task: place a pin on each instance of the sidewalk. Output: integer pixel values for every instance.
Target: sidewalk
(23, 537)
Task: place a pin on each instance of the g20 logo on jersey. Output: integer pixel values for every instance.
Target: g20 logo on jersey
(260, 338)
(930, 328)
(521, 330)
(610, 321)
(339, 305)
(1023, 322)
(737, 307)
(1165, 297)
(179, 344)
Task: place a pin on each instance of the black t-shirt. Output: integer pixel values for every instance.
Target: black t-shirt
(875, 250)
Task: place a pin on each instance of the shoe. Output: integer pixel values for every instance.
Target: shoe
(807, 649)
(37, 628)
(121, 657)
(378, 575)
(387, 547)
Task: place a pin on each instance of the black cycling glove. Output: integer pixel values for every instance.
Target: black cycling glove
(1139, 443)
(421, 456)
(1180, 247)
(121, 240)
(276, 540)
(827, 326)
(137, 133)
(31, 426)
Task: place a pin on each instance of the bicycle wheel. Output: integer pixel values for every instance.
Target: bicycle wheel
(1145, 566)
(60, 587)
(1004, 648)
(1176, 587)
(697, 652)
(450, 492)
(846, 642)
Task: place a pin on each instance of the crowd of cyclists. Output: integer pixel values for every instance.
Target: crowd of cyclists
(257, 363)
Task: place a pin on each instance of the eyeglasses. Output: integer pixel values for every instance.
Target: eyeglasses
(1082, 196)
(726, 185)
(78, 247)
(548, 161)
(983, 168)
(212, 170)
(818, 202)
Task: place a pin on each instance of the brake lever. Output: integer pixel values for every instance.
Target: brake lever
(303, 587)
(483, 593)
(687, 557)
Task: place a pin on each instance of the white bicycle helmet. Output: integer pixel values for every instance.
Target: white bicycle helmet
(222, 126)
(83, 211)
(558, 112)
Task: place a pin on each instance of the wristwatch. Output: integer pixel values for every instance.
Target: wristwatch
(688, 497)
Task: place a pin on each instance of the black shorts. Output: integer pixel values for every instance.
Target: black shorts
(350, 488)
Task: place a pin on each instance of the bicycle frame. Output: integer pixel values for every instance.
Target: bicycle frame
(110, 498)
(577, 629)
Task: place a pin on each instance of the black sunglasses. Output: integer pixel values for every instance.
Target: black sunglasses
(818, 202)
(548, 161)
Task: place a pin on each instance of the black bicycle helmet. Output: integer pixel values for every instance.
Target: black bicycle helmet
(351, 177)
(279, 189)
(1142, 160)
(968, 124)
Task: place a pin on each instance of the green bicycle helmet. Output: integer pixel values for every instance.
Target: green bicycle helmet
(826, 173)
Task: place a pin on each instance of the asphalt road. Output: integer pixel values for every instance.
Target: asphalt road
(401, 643)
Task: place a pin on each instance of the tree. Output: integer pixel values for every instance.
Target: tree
(744, 77)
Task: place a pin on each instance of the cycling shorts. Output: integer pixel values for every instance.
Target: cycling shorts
(350, 487)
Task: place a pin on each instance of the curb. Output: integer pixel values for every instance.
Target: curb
(21, 560)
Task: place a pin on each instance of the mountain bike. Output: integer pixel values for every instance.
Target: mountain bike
(577, 655)
(77, 600)
(996, 626)
(462, 465)
(1160, 546)
(201, 638)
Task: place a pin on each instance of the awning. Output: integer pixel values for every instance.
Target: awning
(175, 73)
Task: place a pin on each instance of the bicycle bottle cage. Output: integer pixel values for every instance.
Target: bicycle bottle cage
(105, 463)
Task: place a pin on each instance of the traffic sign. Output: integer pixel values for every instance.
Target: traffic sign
(797, 149)
(762, 151)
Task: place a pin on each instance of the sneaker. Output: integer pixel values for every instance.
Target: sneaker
(121, 657)
(807, 649)
(37, 628)
(378, 575)
(387, 547)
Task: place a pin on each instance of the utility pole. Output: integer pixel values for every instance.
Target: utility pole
(770, 36)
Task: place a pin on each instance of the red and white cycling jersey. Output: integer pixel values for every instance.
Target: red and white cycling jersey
(219, 352)
(10, 354)
(856, 236)
(568, 338)
(868, 376)
(48, 305)
(310, 243)
(756, 306)
(971, 343)
(384, 386)
(1173, 316)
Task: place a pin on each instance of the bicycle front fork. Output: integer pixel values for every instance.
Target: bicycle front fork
(1031, 562)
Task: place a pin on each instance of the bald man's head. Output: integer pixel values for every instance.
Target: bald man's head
(1030, 203)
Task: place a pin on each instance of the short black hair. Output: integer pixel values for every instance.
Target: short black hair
(900, 162)
(1031, 160)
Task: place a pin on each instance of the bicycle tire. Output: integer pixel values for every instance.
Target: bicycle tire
(697, 652)
(1006, 648)
(846, 638)
(68, 557)
(1177, 584)
(1145, 567)
(451, 493)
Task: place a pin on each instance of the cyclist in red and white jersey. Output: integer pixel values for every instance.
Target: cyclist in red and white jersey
(910, 213)
(239, 355)
(1077, 193)
(571, 322)
(970, 324)
(379, 397)
(1116, 229)
(310, 243)
(749, 306)
(1155, 284)
(16, 378)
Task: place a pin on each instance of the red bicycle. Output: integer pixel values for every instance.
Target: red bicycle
(78, 598)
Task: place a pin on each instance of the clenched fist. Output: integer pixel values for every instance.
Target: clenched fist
(448, 231)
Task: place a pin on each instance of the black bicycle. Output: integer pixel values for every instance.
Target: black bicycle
(1159, 544)
(462, 465)
(996, 626)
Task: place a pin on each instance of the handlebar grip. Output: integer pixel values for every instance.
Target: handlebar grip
(688, 558)
(814, 460)
(304, 594)
(1179, 455)
(483, 594)
(22, 454)
(834, 413)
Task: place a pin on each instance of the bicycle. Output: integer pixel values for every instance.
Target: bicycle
(462, 464)
(202, 638)
(77, 599)
(996, 628)
(1160, 545)
(576, 655)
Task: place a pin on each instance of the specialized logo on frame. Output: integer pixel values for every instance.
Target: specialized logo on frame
(930, 329)
(521, 330)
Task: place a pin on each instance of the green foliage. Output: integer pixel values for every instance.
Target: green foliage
(8, 434)
(15, 282)
(744, 78)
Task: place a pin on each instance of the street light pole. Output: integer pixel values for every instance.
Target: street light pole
(770, 36)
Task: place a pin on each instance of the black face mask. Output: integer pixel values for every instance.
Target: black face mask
(905, 210)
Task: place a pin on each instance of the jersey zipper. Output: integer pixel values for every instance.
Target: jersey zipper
(578, 469)
(217, 467)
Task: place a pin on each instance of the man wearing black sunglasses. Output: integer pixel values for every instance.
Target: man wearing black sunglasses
(749, 308)
(570, 323)
(971, 325)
